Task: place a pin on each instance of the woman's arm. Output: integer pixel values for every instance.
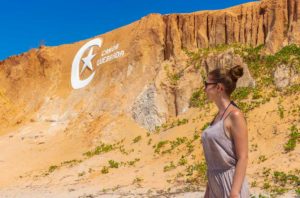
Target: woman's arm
(206, 191)
(239, 133)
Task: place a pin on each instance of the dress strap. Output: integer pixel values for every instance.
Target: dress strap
(228, 114)
(226, 109)
(235, 104)
(231, 102)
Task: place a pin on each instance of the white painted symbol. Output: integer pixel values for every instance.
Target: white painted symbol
(75, 75)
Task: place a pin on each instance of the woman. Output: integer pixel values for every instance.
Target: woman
(225, 141)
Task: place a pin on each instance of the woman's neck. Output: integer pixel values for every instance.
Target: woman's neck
(222, 104)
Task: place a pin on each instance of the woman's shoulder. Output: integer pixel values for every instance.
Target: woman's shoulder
(236, 115)
(236, 112)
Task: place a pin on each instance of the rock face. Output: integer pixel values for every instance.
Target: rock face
(147, 110)
(285, 75)
(138, 83)
(227, 60)
(274, 23)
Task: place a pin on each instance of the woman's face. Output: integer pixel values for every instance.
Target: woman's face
(211, 89)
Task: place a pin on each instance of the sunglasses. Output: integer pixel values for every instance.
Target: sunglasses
(207, 83)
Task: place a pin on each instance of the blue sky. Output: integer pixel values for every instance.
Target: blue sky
(25, 24)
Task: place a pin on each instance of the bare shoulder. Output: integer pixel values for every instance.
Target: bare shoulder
(236, 115)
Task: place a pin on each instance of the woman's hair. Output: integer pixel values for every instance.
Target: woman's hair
(228, 77)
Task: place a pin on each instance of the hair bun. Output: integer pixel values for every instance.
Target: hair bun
(236, 72)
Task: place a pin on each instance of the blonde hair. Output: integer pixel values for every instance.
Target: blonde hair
(228, 77)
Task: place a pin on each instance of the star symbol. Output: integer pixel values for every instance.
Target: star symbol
(87, 61)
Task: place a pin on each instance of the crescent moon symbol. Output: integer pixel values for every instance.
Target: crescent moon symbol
(75, 79)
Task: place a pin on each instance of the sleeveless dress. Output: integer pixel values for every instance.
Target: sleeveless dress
(221, 160)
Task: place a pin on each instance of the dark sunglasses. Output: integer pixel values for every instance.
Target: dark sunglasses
(206, 83)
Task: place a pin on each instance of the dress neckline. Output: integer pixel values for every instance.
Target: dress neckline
(216, 123)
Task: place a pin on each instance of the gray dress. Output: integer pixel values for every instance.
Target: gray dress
(221, 160)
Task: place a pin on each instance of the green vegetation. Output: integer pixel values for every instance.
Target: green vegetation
(173, 76)
(199, 170)
(205, 126)
(292, 90)
(266, 185)
(298, 191)
(241, 93)
(198, 98)
(181, 122)
(169, 167)
(159, 145)
(182, 161)
(113, 164)
(280, 108)
(259, 196)
(104, 170)
(137, 139)
(103, 148)
(262, 158)
(174, 123)
(261, 67)
(168, 146)
(193, 174)
(137, 181)
(132, 162)
(70, 163)
(52, 168)
(280, 182)
(294, 137)
(253, 184)
(123, 151)
(195, 57)
(253, 147)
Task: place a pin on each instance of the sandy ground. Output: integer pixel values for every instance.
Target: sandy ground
(29, 151)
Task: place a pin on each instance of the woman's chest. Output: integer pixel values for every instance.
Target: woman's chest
(217, 131)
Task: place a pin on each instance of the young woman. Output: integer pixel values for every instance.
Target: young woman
(225, 140)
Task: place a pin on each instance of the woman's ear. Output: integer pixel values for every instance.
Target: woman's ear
(220, 87)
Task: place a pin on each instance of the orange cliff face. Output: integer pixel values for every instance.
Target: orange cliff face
(30, 80)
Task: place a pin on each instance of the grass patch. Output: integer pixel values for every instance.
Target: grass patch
(104, 170)
(294, 137)
(241, 93)
(159, 146)
(103, 148)
(52, 168)
(173, 124)
(182, 161)
(113, 164)
(198, 98)
(280, 182)
(169, 167)
(197, 172)
(137, 139)
(262, 158)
